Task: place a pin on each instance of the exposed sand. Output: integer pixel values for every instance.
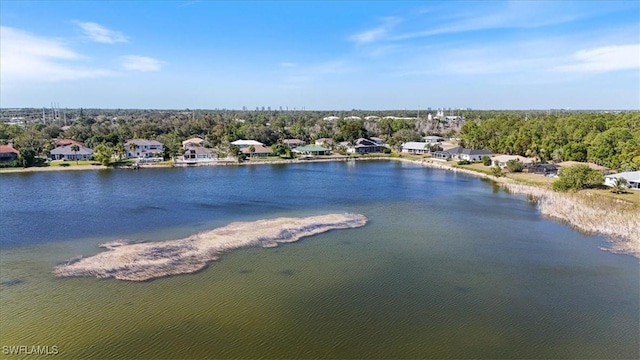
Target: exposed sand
(53, 168)
(146, 261)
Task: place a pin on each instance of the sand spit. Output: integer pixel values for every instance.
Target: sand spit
(150, 260)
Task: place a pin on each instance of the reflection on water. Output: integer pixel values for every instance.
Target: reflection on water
(448, 267)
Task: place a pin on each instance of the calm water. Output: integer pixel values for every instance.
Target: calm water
(448, 267)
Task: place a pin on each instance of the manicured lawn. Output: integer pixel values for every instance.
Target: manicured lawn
(72, 163)
(632, 196)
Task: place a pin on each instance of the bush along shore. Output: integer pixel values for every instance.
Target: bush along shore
(584, 211)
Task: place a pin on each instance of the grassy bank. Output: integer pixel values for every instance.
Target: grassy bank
(590, 211)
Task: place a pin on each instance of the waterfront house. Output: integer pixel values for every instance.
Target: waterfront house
(66, 153)
(377, 140)
(199, 153)
(294, 143)
(326, 142)
(246, 143)
(632, 177)
(8, 153)
(543, 169)
(143, 149)
(194, 141)
(460, 153)
(259, 151)
(415, 147)
(433, 139)
(501, 160)
(65, 142)
(312, 150)
(365, 146)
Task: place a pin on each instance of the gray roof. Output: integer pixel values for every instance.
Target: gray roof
(66, 150)
(414, 145)
(627, 175)
(198, 150)
(143, 142)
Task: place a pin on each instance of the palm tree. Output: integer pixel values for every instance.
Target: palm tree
(119, 150)
(133, 147)
(252, 149)
(75, 148)
(620, 186)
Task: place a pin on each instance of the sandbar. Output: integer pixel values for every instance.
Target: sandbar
(151, 260)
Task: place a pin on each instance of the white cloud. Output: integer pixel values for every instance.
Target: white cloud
(141, 63)
(28, 57)
(99, 33)
(604, 59)
(377, 33)
(288, 64)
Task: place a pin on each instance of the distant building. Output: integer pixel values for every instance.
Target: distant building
(365, 146)
(66, 153)
(246, 143)
(414, 147)
(632, 177)
(460, 153)
(8, 153)
(194, 141)
(143, 149)
(294, 143)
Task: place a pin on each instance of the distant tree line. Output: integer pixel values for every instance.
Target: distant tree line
(611, 140)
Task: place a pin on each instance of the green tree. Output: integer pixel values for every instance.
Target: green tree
(514, 166)
(133, 147)
(103, 153)
(252, 149)
(496, 171)
(27, 157)
(119, 150)
(75, 148)
(620, 186)
(577, 177)
(486, 161)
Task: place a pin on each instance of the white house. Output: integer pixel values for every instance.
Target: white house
(143, 149)
(501, 160)
(415, 147)
(246, 143)
(67, 153)
(459, 153)
(194, 141)
(632, 177)
(433, 139)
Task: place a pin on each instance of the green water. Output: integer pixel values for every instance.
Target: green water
(448, 267)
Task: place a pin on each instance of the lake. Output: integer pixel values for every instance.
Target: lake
(449, 266)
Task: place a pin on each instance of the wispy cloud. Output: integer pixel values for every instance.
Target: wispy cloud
(510, 15)
(604, 59)
(287, 64)
(99, 33)
(141, 63)
(376, 33)
(28, 57)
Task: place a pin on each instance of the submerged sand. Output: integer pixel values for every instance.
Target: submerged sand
(146, 261)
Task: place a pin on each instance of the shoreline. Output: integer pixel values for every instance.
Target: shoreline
(150, 260)
(619, 221)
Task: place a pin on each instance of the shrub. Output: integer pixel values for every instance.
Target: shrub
(464, 162)
(577, 177)
(515, 166)
(496, 171)
(486, 160)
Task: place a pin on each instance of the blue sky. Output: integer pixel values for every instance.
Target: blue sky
(321, 55)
